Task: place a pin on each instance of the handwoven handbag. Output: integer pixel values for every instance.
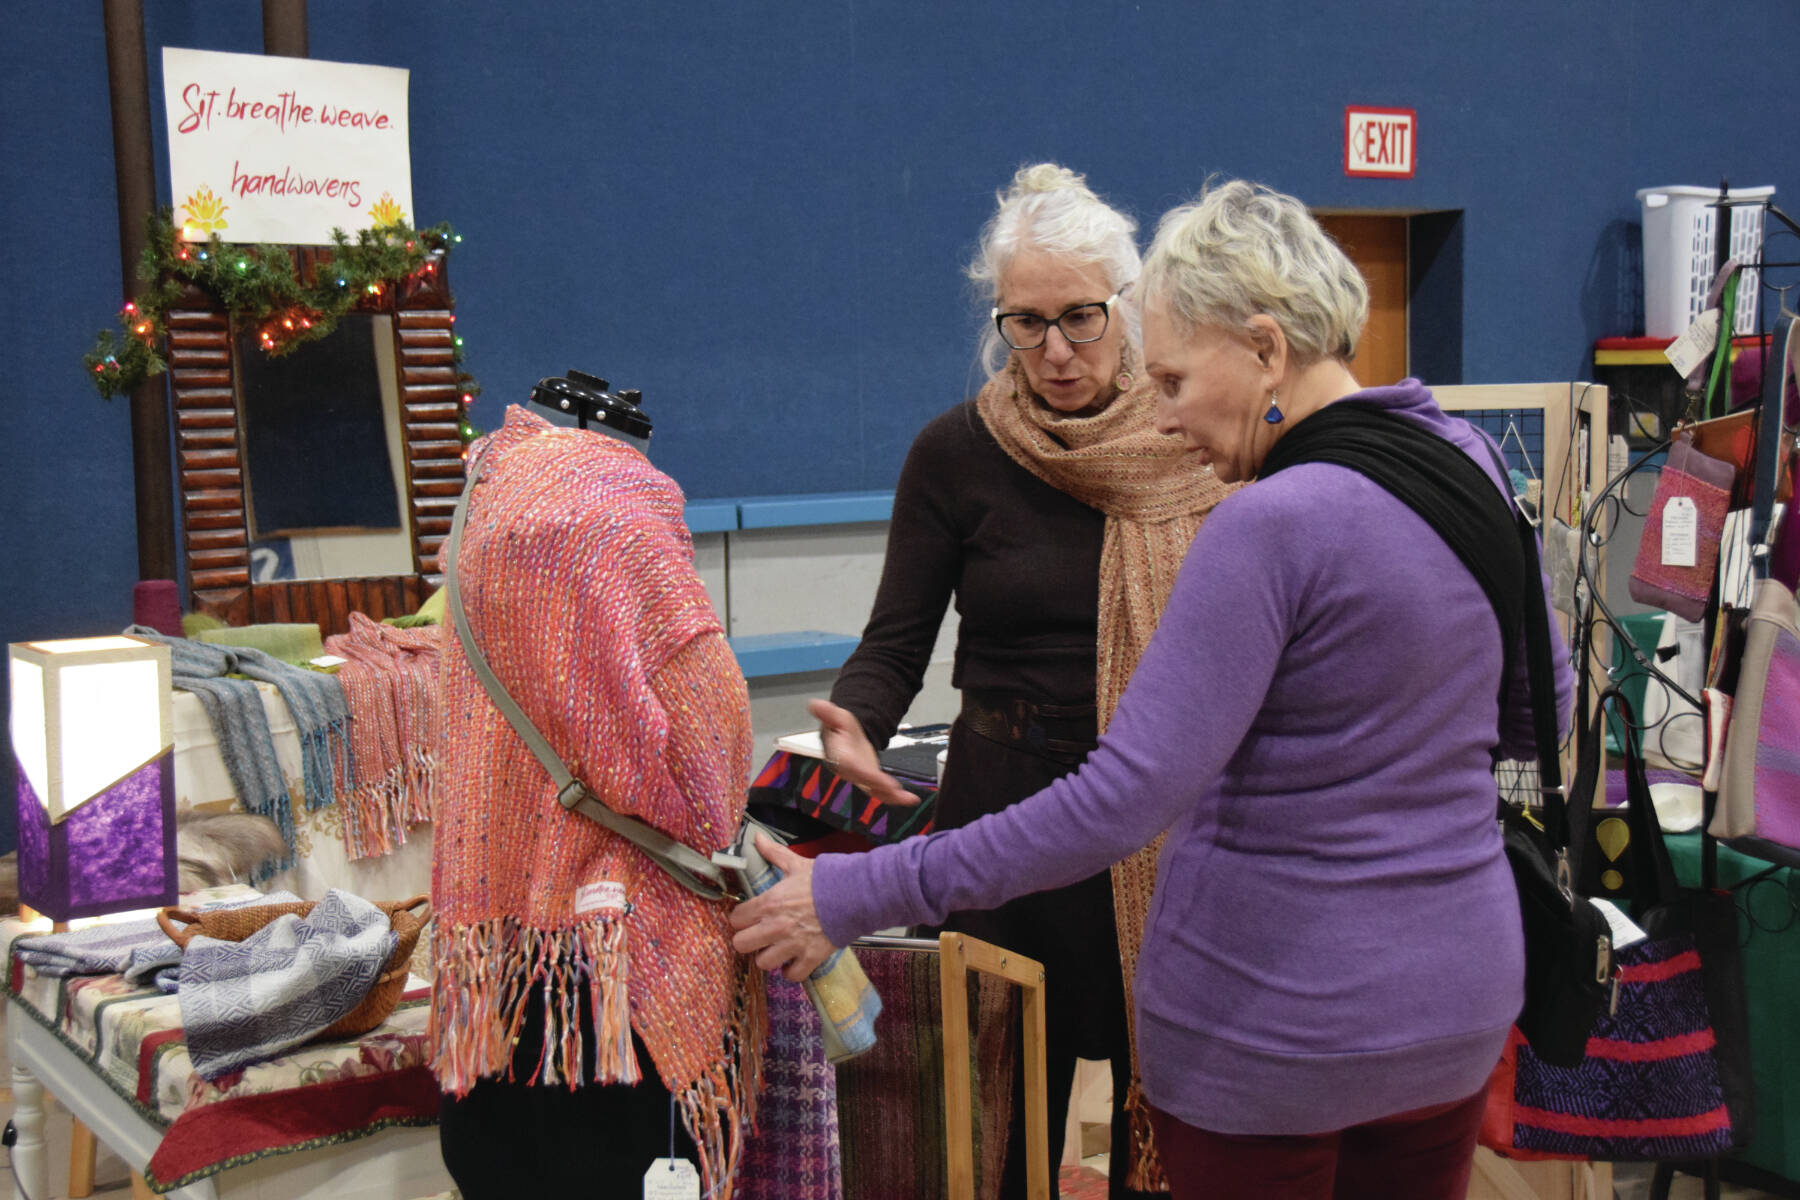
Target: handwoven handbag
(1733, 440)
(1673, 573)
(1759, 787)
(1666, 1072)
(406, 917)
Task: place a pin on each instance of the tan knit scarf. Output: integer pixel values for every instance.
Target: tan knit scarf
(1154, 497)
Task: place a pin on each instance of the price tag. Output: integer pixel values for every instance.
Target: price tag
(672, 1179)
(593, 897)
(1680, 533)
(1691, 348)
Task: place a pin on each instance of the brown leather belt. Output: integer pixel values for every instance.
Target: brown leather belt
(1058, 730)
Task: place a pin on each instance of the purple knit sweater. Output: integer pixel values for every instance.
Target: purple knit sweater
(1335, 935)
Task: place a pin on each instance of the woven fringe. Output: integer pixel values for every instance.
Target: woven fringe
(378, 813)
(325, 763)
(1136, 877)
(492, 969)
(719, 1109)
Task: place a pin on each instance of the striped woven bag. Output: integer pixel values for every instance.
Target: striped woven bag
(1666, 1074)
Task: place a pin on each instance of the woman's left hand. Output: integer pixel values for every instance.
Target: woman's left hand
(781, 927)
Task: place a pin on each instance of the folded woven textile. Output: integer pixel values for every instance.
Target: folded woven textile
(130, 948)
(242, 1002)
(390, 682)
(293, 643)
(234, 708)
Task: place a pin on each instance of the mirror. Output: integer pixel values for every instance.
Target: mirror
(243, 494)
(322, 458)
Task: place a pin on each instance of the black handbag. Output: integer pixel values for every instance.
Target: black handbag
(1667, 1073)
(1569, 971)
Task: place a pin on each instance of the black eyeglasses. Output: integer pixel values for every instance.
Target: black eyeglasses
(1082, 323)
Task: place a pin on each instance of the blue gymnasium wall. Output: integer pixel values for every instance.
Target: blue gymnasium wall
(758, 213)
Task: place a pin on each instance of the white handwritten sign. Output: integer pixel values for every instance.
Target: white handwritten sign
(271, 149)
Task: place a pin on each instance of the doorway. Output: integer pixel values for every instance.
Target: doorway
(1378, 246)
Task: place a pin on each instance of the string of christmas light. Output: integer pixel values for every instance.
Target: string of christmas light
(259, 286)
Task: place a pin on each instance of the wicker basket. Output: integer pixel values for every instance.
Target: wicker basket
(236, 924)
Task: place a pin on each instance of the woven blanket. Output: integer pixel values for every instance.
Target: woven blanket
(96, 950)
(159, 962)
(390, 682)
(793, 1155)
(891, 1100)
(243, 1002)
(235, 710)
(133, 948)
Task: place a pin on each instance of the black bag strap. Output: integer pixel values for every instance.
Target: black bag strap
(698, 873)
(1451, 493)
(1652, 871)
(1540, 671)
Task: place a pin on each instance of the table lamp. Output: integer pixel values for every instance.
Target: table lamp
(93, 748)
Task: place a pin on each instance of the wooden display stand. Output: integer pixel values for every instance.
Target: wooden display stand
(958, 954)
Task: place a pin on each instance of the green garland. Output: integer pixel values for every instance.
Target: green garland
(258, 284)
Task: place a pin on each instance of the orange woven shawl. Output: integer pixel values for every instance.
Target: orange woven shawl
(577, 574)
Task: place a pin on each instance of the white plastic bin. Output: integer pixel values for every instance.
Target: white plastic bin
(1680, 249)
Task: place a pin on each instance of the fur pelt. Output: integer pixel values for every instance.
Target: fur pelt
(213, 849)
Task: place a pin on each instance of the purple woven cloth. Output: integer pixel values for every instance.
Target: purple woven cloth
(793, 1154)
(1778, 746)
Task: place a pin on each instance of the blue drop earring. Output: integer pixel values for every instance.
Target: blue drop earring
(1273, 416)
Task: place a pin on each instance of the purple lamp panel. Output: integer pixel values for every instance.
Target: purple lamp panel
(117, 851)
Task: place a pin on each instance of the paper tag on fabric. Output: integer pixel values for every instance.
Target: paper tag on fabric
(593, 897)
(672, 1179)
(1625, 931)
(1680, 532)
(1618, 455)
(1691, 348)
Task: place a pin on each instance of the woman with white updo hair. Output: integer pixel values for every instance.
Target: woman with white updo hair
(1333, 958)
(1056, 516)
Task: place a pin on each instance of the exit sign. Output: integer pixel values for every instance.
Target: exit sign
(1379, 142)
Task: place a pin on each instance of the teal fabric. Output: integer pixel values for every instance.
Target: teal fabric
(1767, 918)
(1645, 629)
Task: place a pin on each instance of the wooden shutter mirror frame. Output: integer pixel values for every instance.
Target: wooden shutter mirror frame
(215, 542)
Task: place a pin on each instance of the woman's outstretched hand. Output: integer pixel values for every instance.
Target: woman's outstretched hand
(781, 927)
(852, 755)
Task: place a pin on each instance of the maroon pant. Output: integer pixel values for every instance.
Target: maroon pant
(1425, 1154)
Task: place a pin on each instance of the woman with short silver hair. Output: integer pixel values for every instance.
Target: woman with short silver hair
(1056, 516)
(1333, 959)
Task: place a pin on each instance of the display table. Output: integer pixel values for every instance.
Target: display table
(202, 784)
(351, 1120)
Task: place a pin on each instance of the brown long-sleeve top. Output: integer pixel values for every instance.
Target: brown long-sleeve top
(1021, 559)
